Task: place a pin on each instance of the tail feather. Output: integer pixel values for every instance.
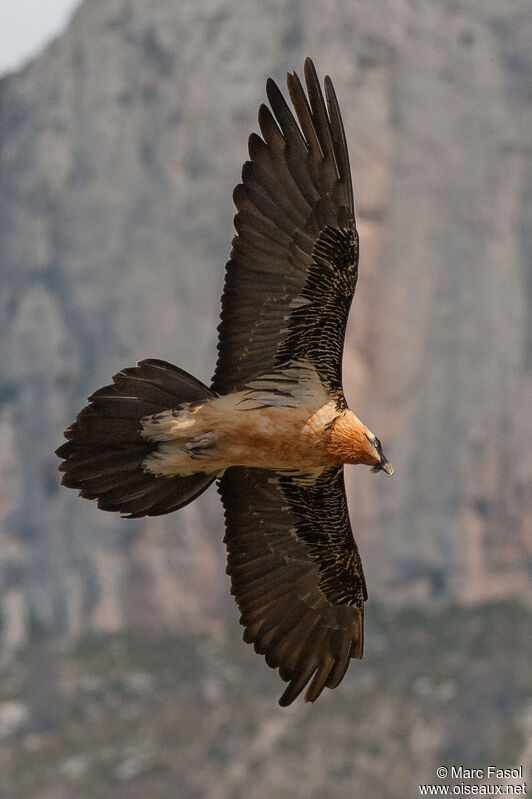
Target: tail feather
(104, 453)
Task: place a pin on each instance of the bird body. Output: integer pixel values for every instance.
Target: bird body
(254, 429)
(273, 428)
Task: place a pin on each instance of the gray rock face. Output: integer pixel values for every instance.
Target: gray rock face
(119, 150)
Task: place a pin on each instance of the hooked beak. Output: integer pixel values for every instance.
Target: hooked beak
(384, 466)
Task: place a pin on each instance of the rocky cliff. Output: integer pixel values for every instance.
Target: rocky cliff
(199, 712)
(119, 149)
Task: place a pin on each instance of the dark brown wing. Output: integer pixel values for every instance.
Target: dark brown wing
(295, 573)
(293, 268)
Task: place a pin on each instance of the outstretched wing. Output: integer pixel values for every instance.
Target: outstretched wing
(293, 268)
(295, 573)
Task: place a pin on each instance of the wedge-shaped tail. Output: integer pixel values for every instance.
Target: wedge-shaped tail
(105, 453)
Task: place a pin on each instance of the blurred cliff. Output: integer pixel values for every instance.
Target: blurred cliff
(195, 716)
(119, 149)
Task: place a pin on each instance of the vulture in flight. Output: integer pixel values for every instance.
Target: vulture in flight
(273, 429)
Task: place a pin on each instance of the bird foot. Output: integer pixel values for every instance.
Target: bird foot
(201, 446)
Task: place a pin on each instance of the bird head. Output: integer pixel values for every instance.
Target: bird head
(349, 440)
(381, 462)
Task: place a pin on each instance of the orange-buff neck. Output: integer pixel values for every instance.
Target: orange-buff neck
(346, 440)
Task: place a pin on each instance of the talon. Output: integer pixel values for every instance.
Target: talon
(197, 446)
(194, 452)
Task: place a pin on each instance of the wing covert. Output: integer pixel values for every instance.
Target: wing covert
(295, 573)
(294, 262)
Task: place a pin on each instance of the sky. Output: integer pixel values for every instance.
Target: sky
(26, 26)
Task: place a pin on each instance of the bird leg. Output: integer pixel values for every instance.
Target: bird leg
(201, 446)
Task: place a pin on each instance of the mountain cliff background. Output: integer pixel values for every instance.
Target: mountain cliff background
(120, 146)
(119, 149)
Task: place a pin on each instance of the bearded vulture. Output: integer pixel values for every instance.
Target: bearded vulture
(273, 429)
